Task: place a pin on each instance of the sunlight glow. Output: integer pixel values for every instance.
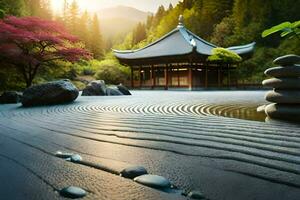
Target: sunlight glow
(96, 5)
(57, 5)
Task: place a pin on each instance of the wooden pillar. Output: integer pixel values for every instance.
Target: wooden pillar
(131, 78)
(178, 81)
(236, 77)
(206, 78)
(140, 77)
(190, 78)
(228, 77)
(219, 77)
(152, 76)
(166, 77)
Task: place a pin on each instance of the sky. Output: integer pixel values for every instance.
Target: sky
(95, 5)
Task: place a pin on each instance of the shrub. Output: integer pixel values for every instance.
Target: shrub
(224, 55)
(112, 72)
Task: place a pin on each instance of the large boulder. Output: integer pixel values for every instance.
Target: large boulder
(10, 97)
(95, 88)
(56, 92)
(123, 89)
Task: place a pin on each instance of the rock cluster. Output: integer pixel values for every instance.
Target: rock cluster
(10, 97)
(56, 92)
(285, 96)
(98, 88)
(95, 88)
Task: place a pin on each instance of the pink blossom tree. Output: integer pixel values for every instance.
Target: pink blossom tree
(29, 43)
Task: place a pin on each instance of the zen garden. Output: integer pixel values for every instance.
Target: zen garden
(150, 100)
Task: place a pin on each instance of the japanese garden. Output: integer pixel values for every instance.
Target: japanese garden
(164, 99)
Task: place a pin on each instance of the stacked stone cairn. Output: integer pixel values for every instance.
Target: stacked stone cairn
(285, 96)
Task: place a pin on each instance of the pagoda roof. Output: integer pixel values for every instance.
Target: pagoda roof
(180, 41)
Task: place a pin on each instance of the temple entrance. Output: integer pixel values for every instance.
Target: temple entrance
(180, 60)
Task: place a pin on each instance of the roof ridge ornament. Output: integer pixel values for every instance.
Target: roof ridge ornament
(193, 42)
(180, 21)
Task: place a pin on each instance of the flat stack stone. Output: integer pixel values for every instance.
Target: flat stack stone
(285, 97)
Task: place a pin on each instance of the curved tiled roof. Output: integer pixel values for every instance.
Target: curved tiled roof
(179, 41)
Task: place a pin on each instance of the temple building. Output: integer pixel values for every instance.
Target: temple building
(179, 60)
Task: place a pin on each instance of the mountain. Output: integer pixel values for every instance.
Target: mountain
(121, 12)
(120, 20)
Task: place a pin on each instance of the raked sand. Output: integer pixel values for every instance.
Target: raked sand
(178, 135)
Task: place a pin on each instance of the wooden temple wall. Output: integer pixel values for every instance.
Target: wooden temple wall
(182, 77)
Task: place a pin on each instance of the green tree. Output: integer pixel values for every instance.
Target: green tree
(96, 41)
(139, 33)
(16, 7)
(170, 7)
(212, 13)
(149, 21)
(73, 24)
(159, 15)
(84, 29)
(65, 12)
(222, 31)
(39, 8)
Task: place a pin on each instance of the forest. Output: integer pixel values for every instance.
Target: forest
(222, 22)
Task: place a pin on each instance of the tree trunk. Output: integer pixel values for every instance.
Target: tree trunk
(29, 75)
(28, 82)
(26, 77)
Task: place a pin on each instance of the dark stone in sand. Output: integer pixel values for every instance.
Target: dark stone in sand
(287, 60)
(196, 195)
(10, 97)
(153, 181)
(279, 72)
(124, 90)
(113, 92)
(280, 96)
(132, 172)
(63, 154)
(284, 111)
(73, 192)
(95, 88)
(282, 83)
(56, 92)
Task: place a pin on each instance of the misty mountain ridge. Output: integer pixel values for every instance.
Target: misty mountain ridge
(120, 20)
